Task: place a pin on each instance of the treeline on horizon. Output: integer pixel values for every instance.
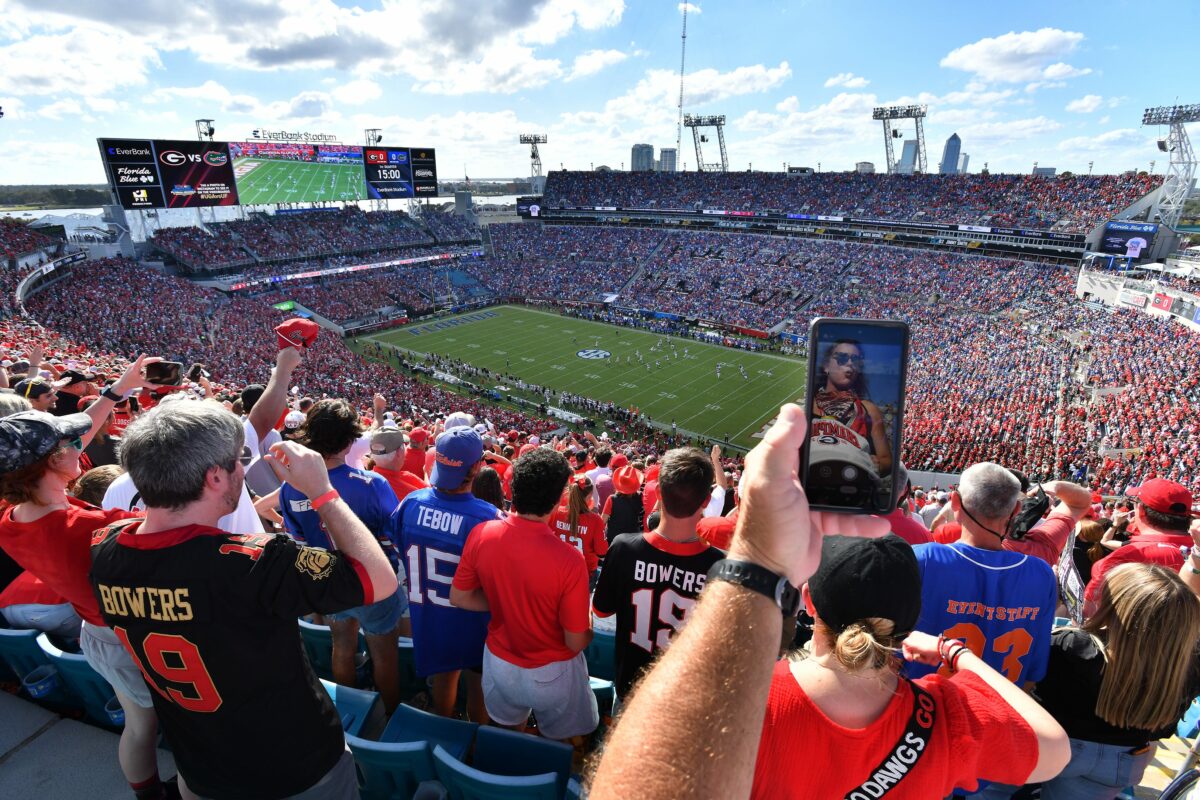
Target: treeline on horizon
(70, 195)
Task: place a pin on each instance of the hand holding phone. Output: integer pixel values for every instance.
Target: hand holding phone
(164, 373)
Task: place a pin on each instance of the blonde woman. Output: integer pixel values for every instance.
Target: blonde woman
(1120, 683)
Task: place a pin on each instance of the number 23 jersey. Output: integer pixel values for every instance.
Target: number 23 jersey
(651, 584)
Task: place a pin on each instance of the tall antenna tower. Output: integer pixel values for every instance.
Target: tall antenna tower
(682, 55)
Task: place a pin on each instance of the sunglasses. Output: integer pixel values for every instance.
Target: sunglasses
(843, 359)
(76, 443)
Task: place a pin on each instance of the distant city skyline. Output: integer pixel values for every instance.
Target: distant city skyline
(1062, 83)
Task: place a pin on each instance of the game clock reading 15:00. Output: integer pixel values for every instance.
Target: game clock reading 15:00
(400, 172)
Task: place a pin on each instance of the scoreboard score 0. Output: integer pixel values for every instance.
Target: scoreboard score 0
(400, 172)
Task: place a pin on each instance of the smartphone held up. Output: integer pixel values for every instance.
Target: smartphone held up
(857, 371)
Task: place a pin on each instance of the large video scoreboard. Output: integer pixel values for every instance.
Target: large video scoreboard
(398, 172)
(159, 173)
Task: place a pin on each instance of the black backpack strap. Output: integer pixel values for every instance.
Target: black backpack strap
(904, 755)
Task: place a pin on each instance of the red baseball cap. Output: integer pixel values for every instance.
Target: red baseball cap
(297, 332)
(418, 436)
(1164, 496)
(618, 461)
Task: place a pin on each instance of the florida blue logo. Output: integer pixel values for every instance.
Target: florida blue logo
(593, 354)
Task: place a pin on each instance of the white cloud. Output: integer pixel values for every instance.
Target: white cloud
(848, 80)
(1005, 131)
(357, 92)
(59, 108)
(692, 8)
(1120, 139)
(1086, 104)
(594, 61)
(1018, 57)
(83, 61)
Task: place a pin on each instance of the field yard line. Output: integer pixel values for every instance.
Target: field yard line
(754, 425)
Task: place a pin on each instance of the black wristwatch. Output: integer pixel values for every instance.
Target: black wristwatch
(108, 392)
(758, 579)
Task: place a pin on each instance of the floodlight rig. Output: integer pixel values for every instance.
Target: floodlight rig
(372, 136)
(535, 158)
(205, 130)
(1182, 167)
(917, 114)
(696, 123)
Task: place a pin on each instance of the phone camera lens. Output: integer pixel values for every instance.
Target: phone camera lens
(849, 473)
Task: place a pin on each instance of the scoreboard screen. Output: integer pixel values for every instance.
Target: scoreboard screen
(400, 172)
(166, 173)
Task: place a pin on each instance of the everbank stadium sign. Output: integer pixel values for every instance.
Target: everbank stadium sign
(267, 135)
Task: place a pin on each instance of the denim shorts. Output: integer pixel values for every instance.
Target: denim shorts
(377, 618)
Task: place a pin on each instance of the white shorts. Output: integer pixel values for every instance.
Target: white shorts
(559, 693)
(109, 657)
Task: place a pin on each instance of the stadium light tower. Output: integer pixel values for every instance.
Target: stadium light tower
(697, 123)
(1182, 167)
(372, 136)
(535, 158)
(205, 130)
(917, 114)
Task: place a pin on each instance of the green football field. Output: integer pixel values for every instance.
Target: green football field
(262, 181)
(600, 361)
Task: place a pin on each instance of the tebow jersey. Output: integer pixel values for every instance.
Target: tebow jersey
(651, 584)
(369, 496)
(431, 528)
(1000, 603)
(210, 620)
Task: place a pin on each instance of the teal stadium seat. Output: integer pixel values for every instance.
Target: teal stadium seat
(468, 783)
(504, 752)
(391, 770)
(601, 656)
(606, 695)
(19, 652)
(318, 645)
(82, 681)
(361, 710)
(409, 724)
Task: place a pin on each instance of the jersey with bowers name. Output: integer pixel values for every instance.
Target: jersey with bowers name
(651, 584)
(369, 496)
(210, 619)
(1000, 603)
(431, 528)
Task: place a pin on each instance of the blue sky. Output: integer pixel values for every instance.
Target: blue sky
(1061, 83)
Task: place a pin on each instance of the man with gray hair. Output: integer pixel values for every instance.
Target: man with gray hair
(999, 603)
(210, 617)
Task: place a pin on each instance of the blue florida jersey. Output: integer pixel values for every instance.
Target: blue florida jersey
(1000, 603)
(431, 529)
(369, 496)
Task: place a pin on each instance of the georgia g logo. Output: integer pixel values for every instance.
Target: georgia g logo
(315, 563)
(593, 353)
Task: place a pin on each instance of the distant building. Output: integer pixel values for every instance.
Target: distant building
(908, 158)
(1045, 172)
(642, 159)
(668, 159)
(963, 160)
(950, 154)
(864, 168)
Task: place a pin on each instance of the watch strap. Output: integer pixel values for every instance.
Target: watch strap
(758, 579)
(108, 393)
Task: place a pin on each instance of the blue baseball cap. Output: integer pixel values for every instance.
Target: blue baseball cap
(455, 452)
(29, 436)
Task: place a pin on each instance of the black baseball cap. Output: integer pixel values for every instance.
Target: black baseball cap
(862, 578)
(29, 436)
(250, 396)
(32, 388)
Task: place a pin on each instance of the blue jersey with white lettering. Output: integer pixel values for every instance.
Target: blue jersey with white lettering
(1000, 603)
(369, 496)
(430, 528)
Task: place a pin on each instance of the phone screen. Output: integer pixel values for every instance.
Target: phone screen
(165, 373)
(855, 406)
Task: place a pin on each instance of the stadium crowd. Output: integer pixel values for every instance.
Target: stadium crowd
(1071, 204)
(18, 239)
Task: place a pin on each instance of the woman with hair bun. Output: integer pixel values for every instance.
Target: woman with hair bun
(842, 721)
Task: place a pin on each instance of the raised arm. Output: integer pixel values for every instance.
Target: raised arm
(133, 378)
(273, 403)
(710, 687)
(1190, 571)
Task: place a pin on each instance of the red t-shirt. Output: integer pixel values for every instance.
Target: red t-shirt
(718, 531)
(29, 589)
(402, 481)
(57, 549)
(414, 462)
(1145, 548)
(590, 540)
(976, 736)
(947, 533)
(908, 528)
(536, 586)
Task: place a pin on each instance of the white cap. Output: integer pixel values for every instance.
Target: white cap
(481, 429)
(534, 440)
(459, 419)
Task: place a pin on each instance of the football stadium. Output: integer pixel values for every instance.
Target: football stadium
(323, 474)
